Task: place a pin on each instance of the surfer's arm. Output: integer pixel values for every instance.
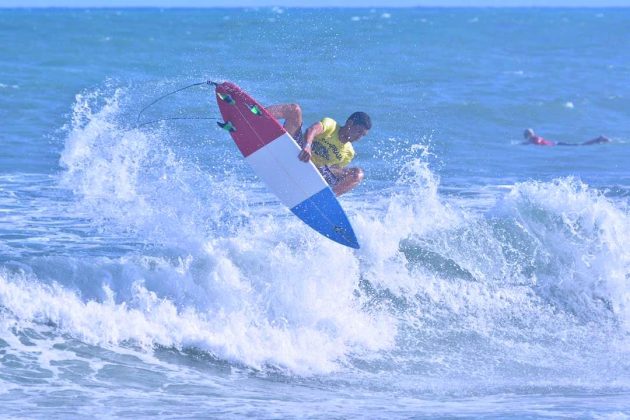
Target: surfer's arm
(313, 131)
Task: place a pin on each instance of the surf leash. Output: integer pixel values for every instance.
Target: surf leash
(176, 118)
(207, 82)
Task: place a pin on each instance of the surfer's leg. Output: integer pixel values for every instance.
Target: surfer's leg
(344, 179)
(292, 116)
(597, 140)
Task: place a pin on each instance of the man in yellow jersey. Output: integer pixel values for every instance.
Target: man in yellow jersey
(327, 144)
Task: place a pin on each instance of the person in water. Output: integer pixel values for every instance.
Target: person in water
(532, 138)
(327, 144)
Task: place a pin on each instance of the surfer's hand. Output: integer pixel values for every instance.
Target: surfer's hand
(305, 154)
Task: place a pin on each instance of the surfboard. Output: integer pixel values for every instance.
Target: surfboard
(273, 155)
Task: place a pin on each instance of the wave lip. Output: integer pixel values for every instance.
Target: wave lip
(582, 262)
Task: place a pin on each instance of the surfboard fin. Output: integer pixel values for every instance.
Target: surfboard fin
(226, 126)
(226, 98)
(255, 110)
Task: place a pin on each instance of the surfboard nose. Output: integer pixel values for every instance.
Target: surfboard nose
(323, 213)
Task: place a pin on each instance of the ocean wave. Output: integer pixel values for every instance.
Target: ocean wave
(438, 286)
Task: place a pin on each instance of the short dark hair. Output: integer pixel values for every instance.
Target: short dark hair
(361, 118)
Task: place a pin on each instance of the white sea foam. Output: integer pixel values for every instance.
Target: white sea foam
(267, 291)
(297, 326)
(583, 253)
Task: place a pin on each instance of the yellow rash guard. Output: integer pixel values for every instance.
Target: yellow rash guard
(328, 150)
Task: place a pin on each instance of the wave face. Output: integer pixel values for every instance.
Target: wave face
(184, 259)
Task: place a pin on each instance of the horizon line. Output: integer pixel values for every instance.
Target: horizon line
(327, 7)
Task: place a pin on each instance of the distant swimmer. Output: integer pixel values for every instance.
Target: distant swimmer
(327, 144)
(532, 138)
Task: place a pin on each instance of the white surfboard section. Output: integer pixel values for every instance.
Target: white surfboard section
(290, 179)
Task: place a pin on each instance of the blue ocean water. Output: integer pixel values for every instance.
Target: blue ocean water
(147, 271)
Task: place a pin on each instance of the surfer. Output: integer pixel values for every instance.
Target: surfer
(327, 144)
(532, 138)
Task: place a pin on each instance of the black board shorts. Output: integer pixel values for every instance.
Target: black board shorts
(328, 175)
(298, 136)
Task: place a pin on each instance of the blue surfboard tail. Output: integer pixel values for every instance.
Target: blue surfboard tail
(323, 213)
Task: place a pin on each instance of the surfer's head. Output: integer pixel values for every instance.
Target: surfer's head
(357, 125)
